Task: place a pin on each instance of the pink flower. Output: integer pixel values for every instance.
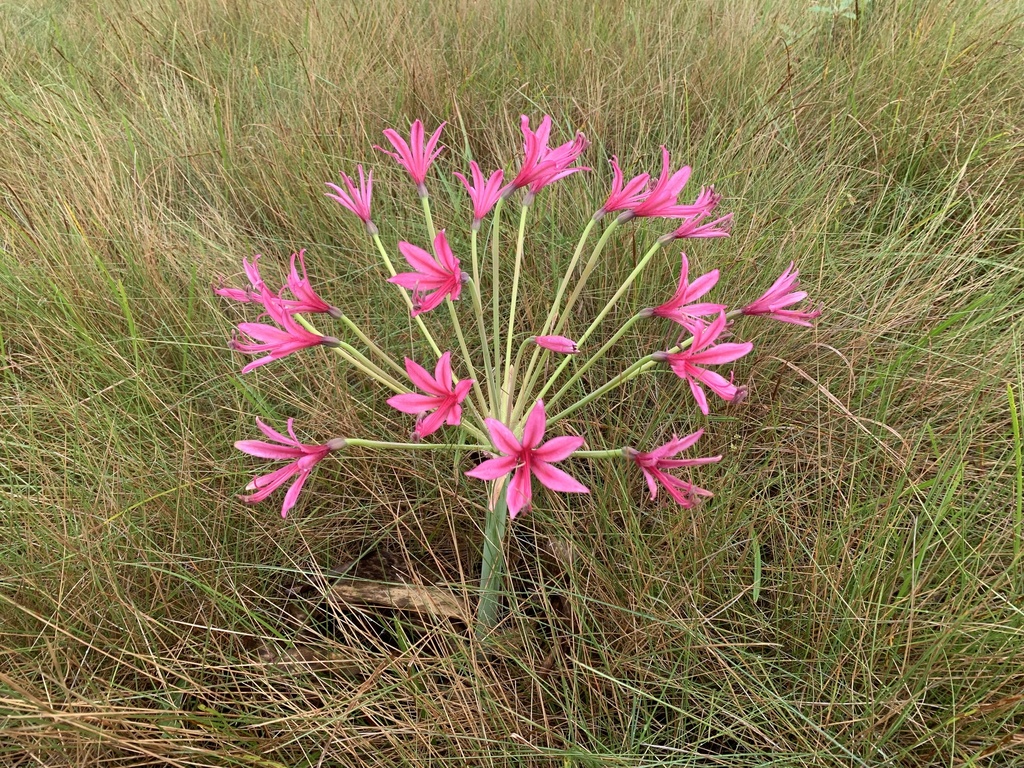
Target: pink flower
(306, 457)
(654, 464)
(781, 295)
(527, 458)
(685, 364)
(624, 198)
(484, 194)
(276, 342)
(252, 271)
(442, 276)
(694, 227)
(680, 307)
(416, 157)
(542, 166)
(306, 299)
(443, 398)
(356, 199)
(662, 199)
(557, 344)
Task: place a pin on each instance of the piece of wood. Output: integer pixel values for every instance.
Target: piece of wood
(431, 601)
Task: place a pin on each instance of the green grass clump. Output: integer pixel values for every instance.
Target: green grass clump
(850, 597)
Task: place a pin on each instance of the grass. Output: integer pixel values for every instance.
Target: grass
(850, 597)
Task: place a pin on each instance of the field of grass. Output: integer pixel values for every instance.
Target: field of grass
(853, 595)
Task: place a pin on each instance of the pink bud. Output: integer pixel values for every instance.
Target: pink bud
(557, 344)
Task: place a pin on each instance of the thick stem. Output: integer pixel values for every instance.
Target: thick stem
(492, 566)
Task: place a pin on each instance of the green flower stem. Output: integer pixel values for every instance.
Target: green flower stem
(356, 358)
(384, 356)
(495, 285)
(622, 289)
(408, 301)
(478, 312)
(425, 200)
(520, 241)
(492, 568)
(590, 362)
(640, 366)
(587, 271)
(383, 445)
(465, 354)
(613, 453)
(529, 379)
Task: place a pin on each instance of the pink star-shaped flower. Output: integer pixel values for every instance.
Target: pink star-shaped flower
(306, 299)
(529, 458)
(276, 342)
(356, 199)
(443, 397)
(624, 198)
(245, 295)
(542, 166)
(443, 276)
(662, 200)
(415, 156)
(484, 194)
(654, 463)
(781, 294)
(305, 458)
(680, 307)
(686, 364)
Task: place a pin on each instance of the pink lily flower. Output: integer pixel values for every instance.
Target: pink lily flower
(528, 458)
(662, 200)
(415, 156)
(559, 344)
(654, 463)
(276, 342)
(356, 199)
(245, 295)
(694, 226)
(680, 307)
(780, 295)
(624, 198)
(484, 194)
(305, 458)
(306, 299)
(685, 364)
(443, 397)
(443, 276)
(542, 166)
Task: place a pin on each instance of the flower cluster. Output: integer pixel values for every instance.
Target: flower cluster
(486, 393)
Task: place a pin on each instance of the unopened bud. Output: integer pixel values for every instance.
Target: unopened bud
(740, 396)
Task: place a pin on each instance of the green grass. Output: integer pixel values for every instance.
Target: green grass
(852, 595)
